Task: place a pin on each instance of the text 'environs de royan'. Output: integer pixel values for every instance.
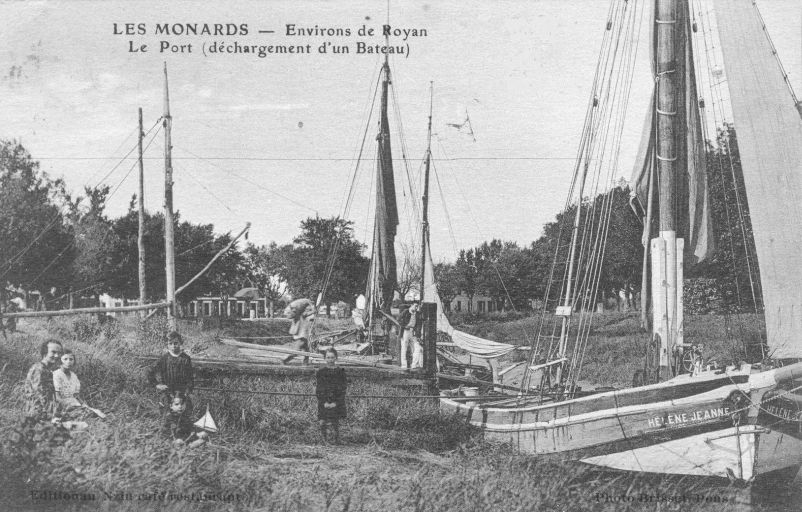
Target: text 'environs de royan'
(243, 29)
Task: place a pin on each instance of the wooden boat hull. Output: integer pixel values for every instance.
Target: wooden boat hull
(700, 425)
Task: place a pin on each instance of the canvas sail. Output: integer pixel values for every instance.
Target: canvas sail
(386, 222)
(769, 131)
(475, 345)
(695, 222)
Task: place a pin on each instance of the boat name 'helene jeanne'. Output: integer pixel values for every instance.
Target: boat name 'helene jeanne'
(685, 417)
(784, 413)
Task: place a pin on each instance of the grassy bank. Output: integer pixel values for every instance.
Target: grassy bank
(398, 452)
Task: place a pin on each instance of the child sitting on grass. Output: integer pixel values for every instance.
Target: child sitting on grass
(331, 386)
(40, 397)
(172, 373)
(68, 389)
(178, 425)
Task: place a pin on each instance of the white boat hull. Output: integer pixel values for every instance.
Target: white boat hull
(715, 432)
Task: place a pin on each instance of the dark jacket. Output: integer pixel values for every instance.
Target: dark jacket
(174, 371)
(178, 425)
(331, 386)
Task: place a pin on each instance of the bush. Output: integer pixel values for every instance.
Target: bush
(27, 458)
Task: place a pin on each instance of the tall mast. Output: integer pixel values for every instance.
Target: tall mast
(666, 30)
(169, 249)
(425, 225)
(141, 232)
(386, 208)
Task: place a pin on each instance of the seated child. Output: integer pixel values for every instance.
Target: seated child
(178, 425)
(68, 388)
(172, 373)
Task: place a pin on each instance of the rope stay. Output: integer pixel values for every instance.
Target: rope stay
(587, 213)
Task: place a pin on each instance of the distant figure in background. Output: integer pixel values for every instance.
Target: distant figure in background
(302, 314)
(330, 389)
(11, 323)
(173, 371)
(40, 396)
(406, 333)
(415, 340)
(358, 316)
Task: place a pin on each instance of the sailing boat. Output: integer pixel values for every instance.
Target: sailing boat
(741, 423)
(382, 279)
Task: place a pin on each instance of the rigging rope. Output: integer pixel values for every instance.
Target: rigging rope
(599, 150)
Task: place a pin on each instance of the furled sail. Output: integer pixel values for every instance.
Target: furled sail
(473, 344)
(769, 131)
(386, 212)
(695, 222)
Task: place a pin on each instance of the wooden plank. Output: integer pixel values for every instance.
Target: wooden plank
(298, 370)
(311, 355)
(476, 382)
(82, 311)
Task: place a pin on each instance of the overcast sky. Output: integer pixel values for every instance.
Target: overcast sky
(272, 140)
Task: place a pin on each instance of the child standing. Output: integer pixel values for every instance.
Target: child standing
(172, 373)
(331, 386)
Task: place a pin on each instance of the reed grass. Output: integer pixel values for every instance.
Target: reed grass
(398, 453)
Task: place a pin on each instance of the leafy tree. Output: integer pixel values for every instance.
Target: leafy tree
(94, 240)
(623, 254)
(309, 258)
(36, 244)
(447, 281)
(467, 275)
(263, 265)
(734, 265)
(195, 246)
(619, 237)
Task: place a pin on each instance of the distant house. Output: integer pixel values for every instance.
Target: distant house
(479, 304)
(228, 307)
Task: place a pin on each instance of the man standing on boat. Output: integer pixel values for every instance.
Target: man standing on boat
(409, 321)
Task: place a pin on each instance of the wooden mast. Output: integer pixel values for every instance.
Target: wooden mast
(425, 216)
(141, 232)
(169, 248)
(664, 249)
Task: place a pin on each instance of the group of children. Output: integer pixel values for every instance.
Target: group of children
(173, 376)
(52, 392)
(52, 389)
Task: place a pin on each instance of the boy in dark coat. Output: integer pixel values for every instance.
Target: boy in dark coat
(172, 373)
(330, 390)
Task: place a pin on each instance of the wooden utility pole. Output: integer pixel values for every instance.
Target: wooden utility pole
(141, 233)
(425, 226)
(169, 248)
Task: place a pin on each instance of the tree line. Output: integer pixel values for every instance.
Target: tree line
(57, 243)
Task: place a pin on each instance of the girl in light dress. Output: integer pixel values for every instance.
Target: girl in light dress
(68, 389)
